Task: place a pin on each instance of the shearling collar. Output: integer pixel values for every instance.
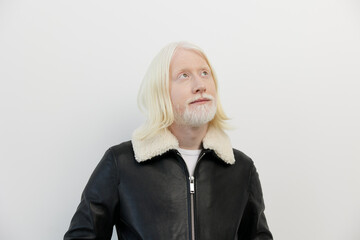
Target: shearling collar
(164, 141)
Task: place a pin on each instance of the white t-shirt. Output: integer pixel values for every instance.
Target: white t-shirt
(190, 157)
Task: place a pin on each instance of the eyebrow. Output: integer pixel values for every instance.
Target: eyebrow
(187, 69)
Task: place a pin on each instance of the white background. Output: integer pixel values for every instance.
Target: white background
(289, 75)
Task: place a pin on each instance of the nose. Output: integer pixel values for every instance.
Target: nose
(198, 85)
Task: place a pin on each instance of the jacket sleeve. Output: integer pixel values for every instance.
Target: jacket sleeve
(95, 216)
(253, 224)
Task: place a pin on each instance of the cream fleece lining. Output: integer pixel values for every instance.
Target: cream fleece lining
(214, 139)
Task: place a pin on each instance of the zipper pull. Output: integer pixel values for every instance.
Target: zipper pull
(192, 185)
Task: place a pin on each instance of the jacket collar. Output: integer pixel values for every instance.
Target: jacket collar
(215, 139)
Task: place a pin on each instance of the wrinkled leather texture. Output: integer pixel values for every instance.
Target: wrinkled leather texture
(151, 200)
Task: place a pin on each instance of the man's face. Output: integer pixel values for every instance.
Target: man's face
(192, 88)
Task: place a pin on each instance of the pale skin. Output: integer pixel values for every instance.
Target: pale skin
(189, 137)
(190, 76)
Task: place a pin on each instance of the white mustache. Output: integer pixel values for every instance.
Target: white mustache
(203, 96)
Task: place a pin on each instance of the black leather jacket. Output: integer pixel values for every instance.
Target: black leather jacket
(154, 200)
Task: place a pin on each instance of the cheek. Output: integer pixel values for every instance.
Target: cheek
(172, 92)
(174, 95)
(178, 101)
(211, 89)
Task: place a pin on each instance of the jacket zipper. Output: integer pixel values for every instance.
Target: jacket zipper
(192, 193)
(192, 196)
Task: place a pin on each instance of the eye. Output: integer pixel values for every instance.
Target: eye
(183, 75)
(204, 73)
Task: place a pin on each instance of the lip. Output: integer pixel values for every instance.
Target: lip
(201, 100)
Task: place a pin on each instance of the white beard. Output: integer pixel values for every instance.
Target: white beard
(196, 116)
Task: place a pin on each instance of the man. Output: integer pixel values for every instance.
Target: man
(179, 177)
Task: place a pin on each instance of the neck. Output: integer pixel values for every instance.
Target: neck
(189, 137)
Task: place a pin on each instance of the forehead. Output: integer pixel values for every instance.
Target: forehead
(187, 59)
